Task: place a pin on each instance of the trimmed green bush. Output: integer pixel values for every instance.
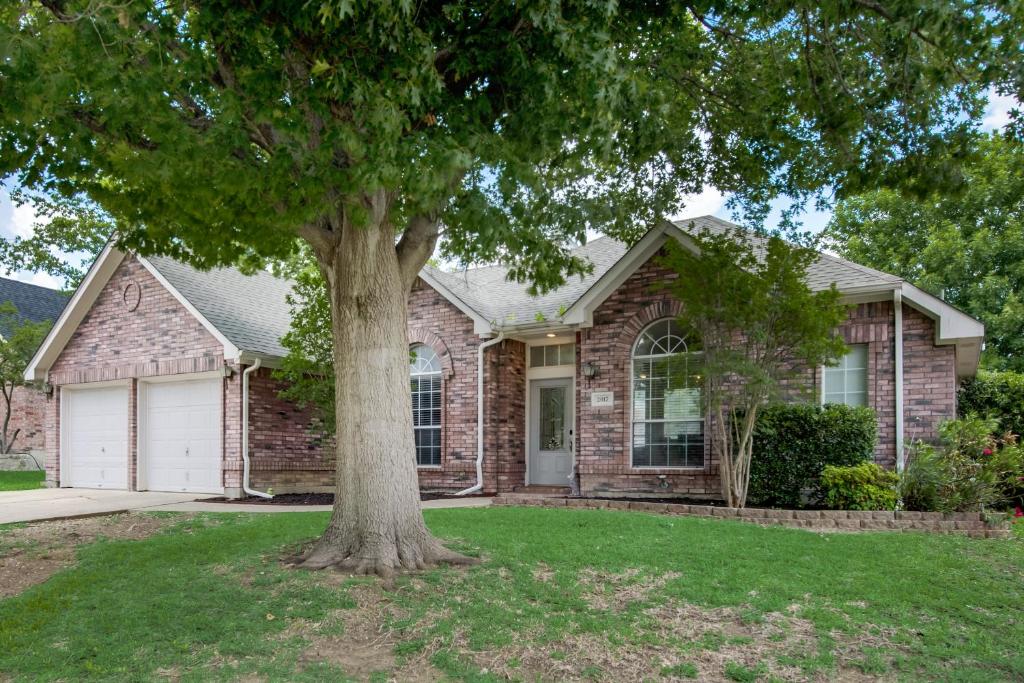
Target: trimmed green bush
(995, 394)
(859, 487)
(794, 442)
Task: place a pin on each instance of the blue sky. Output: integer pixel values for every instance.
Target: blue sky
(18, 221)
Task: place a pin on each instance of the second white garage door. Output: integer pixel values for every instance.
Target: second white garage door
(181, 444)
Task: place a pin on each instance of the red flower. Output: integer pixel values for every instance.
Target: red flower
(1018, 512)
(987, 451)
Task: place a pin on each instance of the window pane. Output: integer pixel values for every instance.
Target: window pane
(835, 381)
(536, 356)
(552, 418)
(567, 354)
(857, 357)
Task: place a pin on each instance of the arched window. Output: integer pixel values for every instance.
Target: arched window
(668, 405)
(425, 382)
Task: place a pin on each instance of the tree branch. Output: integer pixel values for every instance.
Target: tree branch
(416, 246)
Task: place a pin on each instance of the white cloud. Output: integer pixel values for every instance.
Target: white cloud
(997, 113)
(708, 202)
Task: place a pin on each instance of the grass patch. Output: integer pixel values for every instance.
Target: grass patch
(21, 480)
(561, 595)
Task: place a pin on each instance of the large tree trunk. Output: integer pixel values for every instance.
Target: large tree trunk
(377, 525)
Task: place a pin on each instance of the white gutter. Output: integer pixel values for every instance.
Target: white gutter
(245, 432)
(480, 414)
(897, 300)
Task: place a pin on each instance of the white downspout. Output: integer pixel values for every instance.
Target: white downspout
(480, 415)
(245, 432)
(897, 300)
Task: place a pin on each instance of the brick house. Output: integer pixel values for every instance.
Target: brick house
(37, 304)
(160, 377)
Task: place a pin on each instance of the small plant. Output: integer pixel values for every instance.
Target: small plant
(859, 487)
(681, 670)
(971, 470)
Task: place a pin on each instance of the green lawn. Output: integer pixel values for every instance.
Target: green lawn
(21, 481)
(561, 594)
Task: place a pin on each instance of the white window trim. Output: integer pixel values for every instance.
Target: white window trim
(632, 420)
(439, 373)
(867, 389)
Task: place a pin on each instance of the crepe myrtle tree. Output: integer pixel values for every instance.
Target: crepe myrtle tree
(379, 132)
(757, 322)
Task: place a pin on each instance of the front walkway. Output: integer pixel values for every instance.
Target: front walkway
(44, 504)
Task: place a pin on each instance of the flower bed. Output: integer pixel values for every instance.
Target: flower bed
(966, 523)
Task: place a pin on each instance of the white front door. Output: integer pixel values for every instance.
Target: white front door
(95, 438)
(182, 436)
(551, 431)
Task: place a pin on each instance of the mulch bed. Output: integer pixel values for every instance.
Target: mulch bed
(305, 499)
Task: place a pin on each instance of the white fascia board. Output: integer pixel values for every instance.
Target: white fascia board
(481, 326)
(953, 324)
(231, 352)
(71, 317)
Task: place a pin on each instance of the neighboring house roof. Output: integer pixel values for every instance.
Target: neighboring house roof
(249, 313)
(35, 303)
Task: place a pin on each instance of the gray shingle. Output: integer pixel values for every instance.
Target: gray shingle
(252, 311)
(35, 303)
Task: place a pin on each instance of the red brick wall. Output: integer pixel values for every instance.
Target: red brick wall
(929, 390)
(288, 448)
(603, 444)
(434, 321)
(505, 408)
(28, 415)
(604, 433)
(159, 337)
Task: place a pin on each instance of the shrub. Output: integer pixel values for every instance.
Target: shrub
(970, 471)
(859, 487)
(999, 395)
(794, 443)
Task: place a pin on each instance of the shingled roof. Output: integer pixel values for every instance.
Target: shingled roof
(250, 313)
(34, 303)
(487, 291)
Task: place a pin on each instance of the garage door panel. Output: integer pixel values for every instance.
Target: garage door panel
(95, 437)
(183, 436)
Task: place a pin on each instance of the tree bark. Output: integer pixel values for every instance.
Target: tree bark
(376, 526)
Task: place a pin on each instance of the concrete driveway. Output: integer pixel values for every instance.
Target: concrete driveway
(42, 504)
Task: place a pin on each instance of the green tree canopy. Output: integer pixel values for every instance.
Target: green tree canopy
(967, 248)
(221, 131)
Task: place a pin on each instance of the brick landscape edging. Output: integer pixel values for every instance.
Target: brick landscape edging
(963, 523)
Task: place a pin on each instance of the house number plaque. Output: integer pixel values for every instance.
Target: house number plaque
(602, 399)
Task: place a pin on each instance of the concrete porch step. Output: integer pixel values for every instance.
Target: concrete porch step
(535, 490)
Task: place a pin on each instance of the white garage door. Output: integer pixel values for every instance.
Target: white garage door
(182, 433)
(95, 442)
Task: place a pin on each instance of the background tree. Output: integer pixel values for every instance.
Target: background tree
(374, 131)
(68, 235)
(758, 322)
(19, 341)
(967, 248)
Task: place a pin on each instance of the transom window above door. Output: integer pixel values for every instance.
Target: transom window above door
(668, 405)
(425, 385)
(552, 355)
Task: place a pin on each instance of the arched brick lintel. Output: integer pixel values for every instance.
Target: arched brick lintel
(421, 335)
(666, 308)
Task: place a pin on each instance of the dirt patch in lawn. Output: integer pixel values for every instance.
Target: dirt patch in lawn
(604, 590)
(32, 553)
(366, 644)
(675, 643)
